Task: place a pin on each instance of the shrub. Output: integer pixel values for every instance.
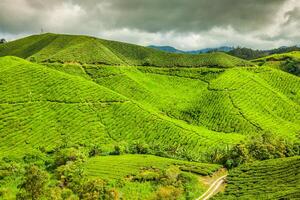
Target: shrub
(34, 184)
(69, 154)
(260, 148)
(168, 193)
(139, 148)
(95, 151)
(97, 189)
(71, 175)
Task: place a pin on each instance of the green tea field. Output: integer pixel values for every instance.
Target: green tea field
(271, 179)
(94, 116)
(142, 173)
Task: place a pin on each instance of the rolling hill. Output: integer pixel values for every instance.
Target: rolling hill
(84, 93)
(37, 102)
(89, 50)
(271, 179)
(193, 108)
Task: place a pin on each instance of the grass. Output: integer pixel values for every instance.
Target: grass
(83, 49)
(271, 179)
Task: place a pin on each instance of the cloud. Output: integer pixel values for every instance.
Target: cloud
(188, 24)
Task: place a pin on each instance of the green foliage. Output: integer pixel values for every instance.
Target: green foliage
(33, 186)
(168, 193)
(141, 105)
(107, 167)
(63, 156)
(270, 179)
(260, 148)
(72, 105)
(71, 175)
(288, 62)
(249, 54)
(2, 41)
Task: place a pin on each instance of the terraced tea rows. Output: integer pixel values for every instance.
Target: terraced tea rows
(37, 102)
(230, 101)
(271, 179)
(114, 167)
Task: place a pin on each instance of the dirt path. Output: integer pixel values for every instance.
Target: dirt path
(212, 189)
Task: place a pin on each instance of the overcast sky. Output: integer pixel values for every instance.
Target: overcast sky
(184, 24)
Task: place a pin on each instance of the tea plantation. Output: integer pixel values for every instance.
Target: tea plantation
(83, 49)
(271, 179)
(70, 104)
(142, 174)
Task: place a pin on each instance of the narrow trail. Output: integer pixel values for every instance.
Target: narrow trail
(212, 189)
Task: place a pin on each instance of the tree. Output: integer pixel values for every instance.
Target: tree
(63, 156)
(2, 41)
(97, 189)
(34, 184)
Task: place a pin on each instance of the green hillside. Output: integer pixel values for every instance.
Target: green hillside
(83, 49)
(226, 101)
(271, 179)
(37, 102)
(288, 62)
(189, 110)
(73, 101)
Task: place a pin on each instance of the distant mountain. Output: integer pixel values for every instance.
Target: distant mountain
(166, 48)
(200, 51)
(241, 52)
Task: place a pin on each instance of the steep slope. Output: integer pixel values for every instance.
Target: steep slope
(83, 49)
(288, 62)
(271, 179)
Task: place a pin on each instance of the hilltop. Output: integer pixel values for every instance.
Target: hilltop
(89, 50)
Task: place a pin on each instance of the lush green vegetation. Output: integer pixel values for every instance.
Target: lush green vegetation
(109, 166)
(270, 179)
(73, 173)
(288, 62)
(154, 172)
(83, 49)
(249, 54)
(111, 105)
(76, 110)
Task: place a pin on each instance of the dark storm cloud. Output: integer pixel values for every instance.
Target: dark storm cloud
(207, 21)
(194, 15)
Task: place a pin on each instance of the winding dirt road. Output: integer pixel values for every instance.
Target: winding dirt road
(212, 189)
